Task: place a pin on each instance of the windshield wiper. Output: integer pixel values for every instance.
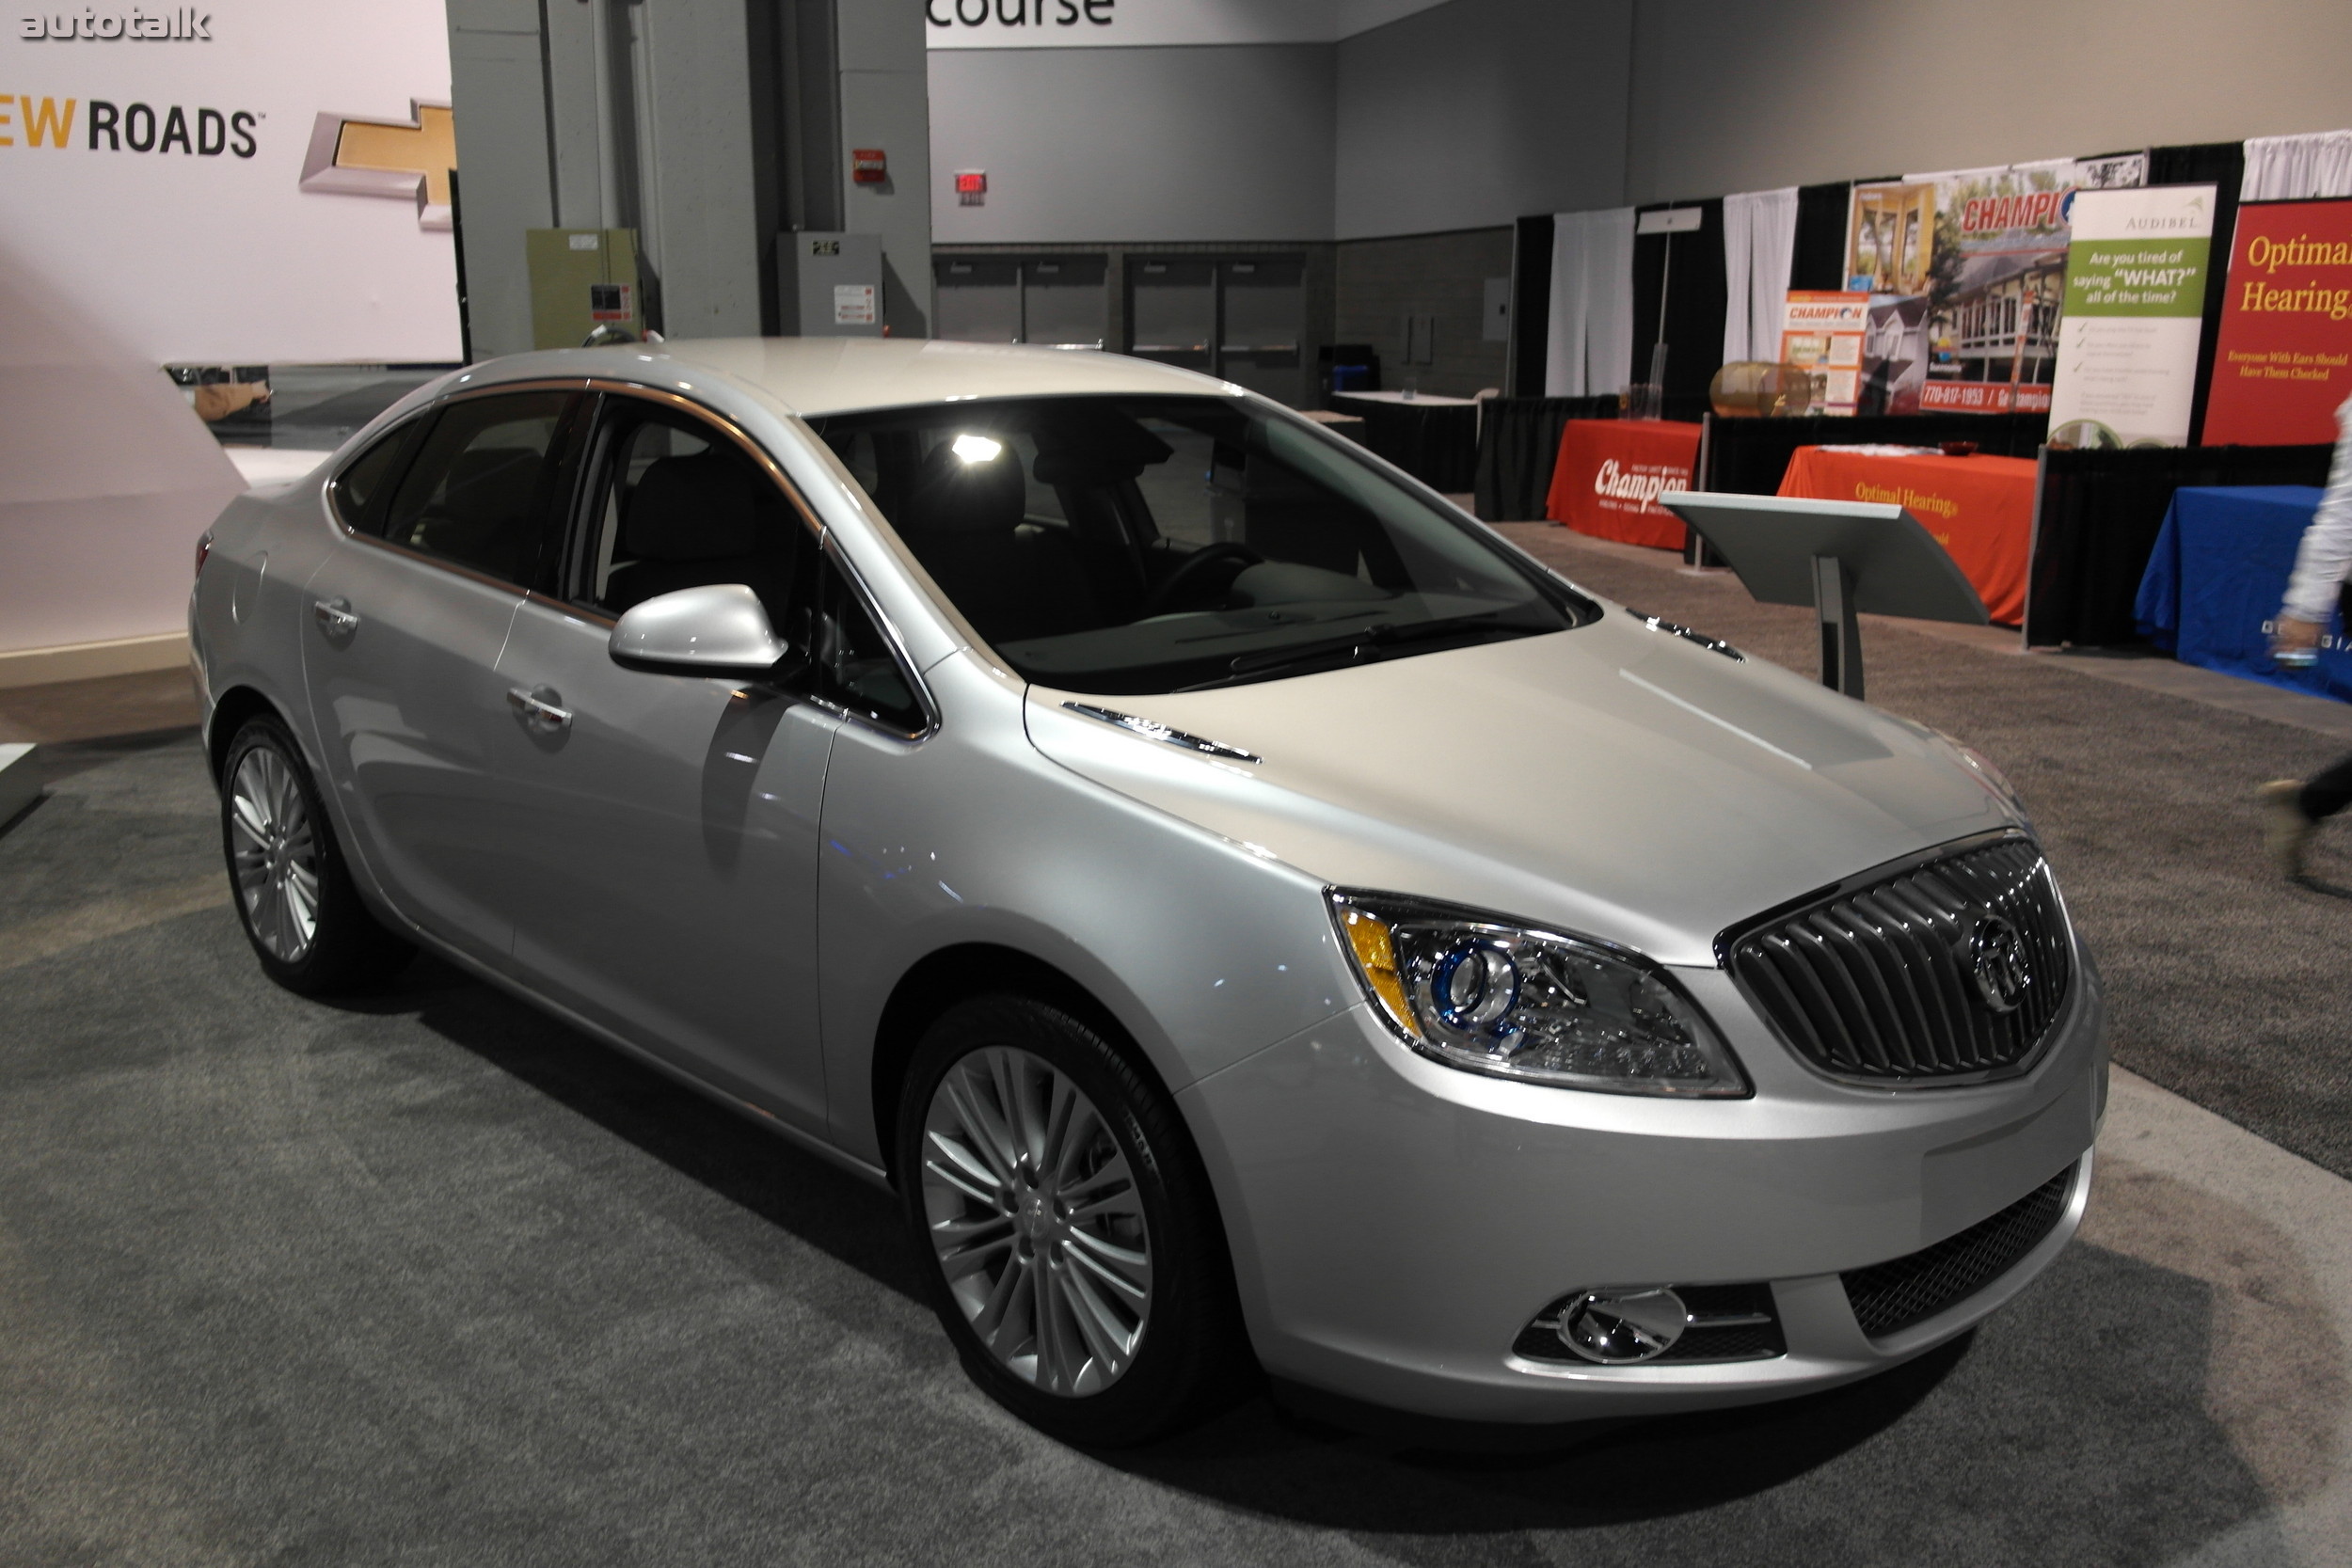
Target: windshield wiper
(1358, 646)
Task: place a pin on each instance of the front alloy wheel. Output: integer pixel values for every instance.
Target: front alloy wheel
(1036, 1222)
(1071, 1244)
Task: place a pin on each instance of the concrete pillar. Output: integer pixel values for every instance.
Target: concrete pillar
(885, 104)
(706, 126)
(502, 186)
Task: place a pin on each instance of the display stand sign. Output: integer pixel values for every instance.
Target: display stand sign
(1821, 332)
(2134, 312)
(2282, 361)
(1967, 271)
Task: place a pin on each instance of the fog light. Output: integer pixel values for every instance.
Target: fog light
(1620, 1328)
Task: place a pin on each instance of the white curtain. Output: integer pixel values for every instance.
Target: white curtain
(1759, 243)
(2296, 169)
(1590, 348)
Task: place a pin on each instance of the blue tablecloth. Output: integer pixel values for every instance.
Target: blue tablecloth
(2219, 569)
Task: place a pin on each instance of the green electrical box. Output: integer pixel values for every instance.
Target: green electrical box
(580, 279)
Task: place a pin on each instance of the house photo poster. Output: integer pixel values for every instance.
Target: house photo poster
(1966, 270)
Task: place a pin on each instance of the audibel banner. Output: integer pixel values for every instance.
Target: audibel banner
(251, 181)
(2282, 362)
(2134, 309)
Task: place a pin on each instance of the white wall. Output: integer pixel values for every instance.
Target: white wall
(1476, 112)
(1722, 102)
(1135, 145)
(1473, 112)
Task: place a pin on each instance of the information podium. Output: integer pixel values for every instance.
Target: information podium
(1842, 558)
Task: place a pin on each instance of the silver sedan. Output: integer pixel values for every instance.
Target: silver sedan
(1256, 919)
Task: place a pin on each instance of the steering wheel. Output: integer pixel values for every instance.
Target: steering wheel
(1195, 569)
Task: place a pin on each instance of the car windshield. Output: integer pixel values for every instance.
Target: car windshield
(1147, 545)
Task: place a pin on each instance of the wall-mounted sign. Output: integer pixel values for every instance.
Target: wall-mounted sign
(2283, 360)
(260, 196)
(1126, 23)
(2134, 309)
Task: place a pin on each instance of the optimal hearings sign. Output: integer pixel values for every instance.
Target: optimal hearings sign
(238, 182)
(2134, 310)
(2283, 360)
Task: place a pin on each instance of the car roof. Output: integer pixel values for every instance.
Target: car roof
(814, 376)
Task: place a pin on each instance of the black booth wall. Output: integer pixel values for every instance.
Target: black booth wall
(1519, 443)
(1749, 457)
(2097, 523)
(1688, 270)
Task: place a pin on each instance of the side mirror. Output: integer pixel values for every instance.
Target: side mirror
(718, 631)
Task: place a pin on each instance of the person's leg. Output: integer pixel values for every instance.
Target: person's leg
(2328, 792)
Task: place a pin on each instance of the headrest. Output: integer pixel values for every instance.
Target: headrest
(492, 484)
(1087, 445)
(953, 496)
(694, 508)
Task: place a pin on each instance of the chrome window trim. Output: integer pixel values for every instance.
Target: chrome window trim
(352, 535)
(889, 629)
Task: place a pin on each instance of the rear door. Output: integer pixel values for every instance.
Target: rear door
(404, 624)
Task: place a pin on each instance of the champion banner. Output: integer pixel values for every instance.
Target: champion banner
(2283, 359)
(2134, 310)
(1967, 272)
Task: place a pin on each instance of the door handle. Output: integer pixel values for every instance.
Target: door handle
(537, 708)
(335, 616)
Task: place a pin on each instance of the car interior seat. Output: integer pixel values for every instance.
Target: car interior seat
(965, 522)
(691, 521)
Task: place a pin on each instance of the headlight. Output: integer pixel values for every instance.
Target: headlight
(1478, 993)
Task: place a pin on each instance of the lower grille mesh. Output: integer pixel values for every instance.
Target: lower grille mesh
(1890, 1297)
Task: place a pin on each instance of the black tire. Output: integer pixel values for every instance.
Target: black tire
(1191, 1354)
(347, 948)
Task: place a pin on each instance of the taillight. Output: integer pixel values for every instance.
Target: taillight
(203, 548)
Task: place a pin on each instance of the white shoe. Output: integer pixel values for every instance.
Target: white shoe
(2286, 832)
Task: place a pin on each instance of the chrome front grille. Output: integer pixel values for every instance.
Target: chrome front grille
(1951, 969)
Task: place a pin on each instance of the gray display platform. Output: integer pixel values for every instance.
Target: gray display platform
(19, 787)
(1843, 558)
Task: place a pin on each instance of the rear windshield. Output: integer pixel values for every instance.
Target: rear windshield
(1148, 544)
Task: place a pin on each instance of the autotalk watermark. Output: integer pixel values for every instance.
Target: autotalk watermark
(176, 25)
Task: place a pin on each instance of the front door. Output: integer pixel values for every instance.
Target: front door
(400, 644)
(670, 887)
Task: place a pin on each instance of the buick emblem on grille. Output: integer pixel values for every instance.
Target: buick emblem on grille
(1998, 958)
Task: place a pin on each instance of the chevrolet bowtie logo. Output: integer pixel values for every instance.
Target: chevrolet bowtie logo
(407, 161)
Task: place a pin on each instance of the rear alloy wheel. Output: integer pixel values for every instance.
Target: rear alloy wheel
(306, 921)
(1072, 1250)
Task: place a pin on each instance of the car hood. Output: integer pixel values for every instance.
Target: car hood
(1616, 780)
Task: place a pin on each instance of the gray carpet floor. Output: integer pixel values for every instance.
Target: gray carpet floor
(432, 1280)
(2230, 987)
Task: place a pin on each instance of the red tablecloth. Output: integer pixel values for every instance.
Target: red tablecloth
(1609, 475)
(1980, 509)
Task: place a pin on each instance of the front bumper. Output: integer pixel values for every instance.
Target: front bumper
(1396, 1223)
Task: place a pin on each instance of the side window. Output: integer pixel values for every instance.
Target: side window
(362, 488)
(852, 662)
(478, 488)
(680, 505)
